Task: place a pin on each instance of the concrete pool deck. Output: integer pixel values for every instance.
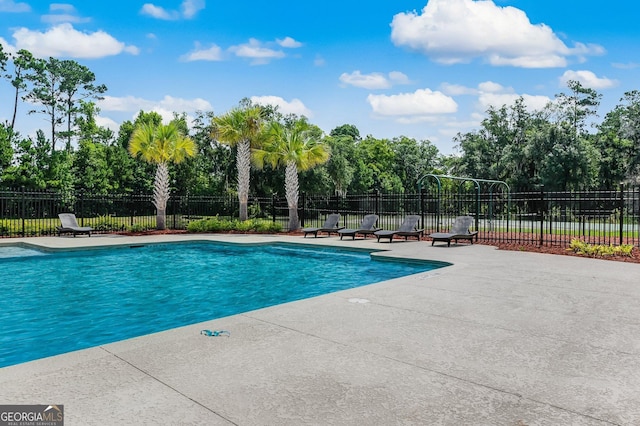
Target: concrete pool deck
(498, 338)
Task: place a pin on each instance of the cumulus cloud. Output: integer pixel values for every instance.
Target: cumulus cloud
(211, 53)
(159, 12)
(458, 31)
(288, 42)
(421, 103)
(65, 41)
(188, 10)
(63, 12)
(295, 106)
(166, 107)
(588, 79)
(11, 6)
(257, 52)
(492, 94)
(374, 80)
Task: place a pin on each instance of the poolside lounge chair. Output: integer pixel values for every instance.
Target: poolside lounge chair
(459, 231)
(367, 227)
(406, 230)
(70, 225)
(330, 225)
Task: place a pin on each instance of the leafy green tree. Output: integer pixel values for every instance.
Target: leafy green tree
(577, 106)
(23, 63)
(241, 128)
(47, 79)
(413, 160)
(297, 148)
(616, 152)
(161, 145)
(630, 130)
(58, 86)
(6, 150)
(76, 86)
(29, 169)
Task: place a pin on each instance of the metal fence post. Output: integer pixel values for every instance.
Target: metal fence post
(302, 213)
(621, 207)
(81, 196)
(542, 214)
(273, 207)
(24, 208)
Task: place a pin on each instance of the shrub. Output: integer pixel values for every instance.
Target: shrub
(215, 224)
(598, 250)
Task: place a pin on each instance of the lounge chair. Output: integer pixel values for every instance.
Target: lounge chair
(409, 228)
(330, 226)
(459, 231)
(367, 227)
(70, 225)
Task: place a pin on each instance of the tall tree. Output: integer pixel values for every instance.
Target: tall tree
(241, 128)
(23, 62)
(577, 106)
(77, 85)
(58, 87)
(161, 145)
(47, 79)
(297, 147)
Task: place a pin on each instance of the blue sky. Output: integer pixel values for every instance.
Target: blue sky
(424, 69)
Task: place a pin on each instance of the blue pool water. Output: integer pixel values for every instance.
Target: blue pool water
(54, 303)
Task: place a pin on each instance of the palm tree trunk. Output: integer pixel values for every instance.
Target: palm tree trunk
(243, 165)
(161, 194)
(292, 189)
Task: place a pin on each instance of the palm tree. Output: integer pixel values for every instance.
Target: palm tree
(297, 147)
(161, 145)
(241, 127)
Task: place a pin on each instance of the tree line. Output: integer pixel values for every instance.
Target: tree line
(554, 146)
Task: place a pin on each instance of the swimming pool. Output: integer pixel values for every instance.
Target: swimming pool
(59, 302)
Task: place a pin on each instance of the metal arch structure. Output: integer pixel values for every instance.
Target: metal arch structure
(477, 183)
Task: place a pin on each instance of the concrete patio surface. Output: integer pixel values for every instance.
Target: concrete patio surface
(498, 338)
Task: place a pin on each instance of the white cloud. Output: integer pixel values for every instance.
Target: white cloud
(626, 66)
(108, 123)
(11, 6)
(457, 31)
(497, 100)
(167, 104)
(65, 41)
(62, 12)
(255, 50)
(212, 53)
(374, 80)
(319, 61)
(587, 79)
(295, 106)
(288, 42)
(159, 12)
(422, 102)
(457, 89)
(188, 10)
(491, 94)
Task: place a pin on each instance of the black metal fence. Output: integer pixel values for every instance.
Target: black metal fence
(524, 217)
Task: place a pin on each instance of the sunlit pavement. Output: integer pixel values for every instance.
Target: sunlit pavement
(498, 338)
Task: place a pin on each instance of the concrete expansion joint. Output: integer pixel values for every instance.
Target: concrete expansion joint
(154, 378)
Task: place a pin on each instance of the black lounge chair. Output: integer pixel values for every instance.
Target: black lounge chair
(70, 225)
(367, 227)
(459, 231)
(409, 228)
(330, 226)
